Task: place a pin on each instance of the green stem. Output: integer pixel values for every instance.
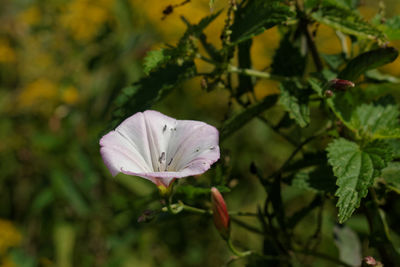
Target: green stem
(237, 252)
(183, 207)
(256, 73)
(247, 226)
(179, 207)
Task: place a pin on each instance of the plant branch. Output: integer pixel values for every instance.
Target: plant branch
(257, 73)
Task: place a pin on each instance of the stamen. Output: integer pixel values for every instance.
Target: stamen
(161, 158)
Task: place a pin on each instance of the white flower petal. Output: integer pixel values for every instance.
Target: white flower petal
(193, 147)
(159, 148)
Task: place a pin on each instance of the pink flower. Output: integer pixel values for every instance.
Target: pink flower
(220, 213)
(159, 148)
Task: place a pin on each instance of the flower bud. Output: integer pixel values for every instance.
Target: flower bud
(341, 85)
(370, 260)
(220, 213)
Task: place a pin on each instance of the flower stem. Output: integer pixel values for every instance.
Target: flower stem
(237, 252)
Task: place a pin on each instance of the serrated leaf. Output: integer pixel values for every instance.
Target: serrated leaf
(379, 120)
(318, 179)
(150, 89)
(392, 28)
(346, 21)
(367, 61)
(184, 50)
(355, 168)
(295, 101)
(154, 59)
(376, 121)
(288, 61)
(257, 16)
(240, 119)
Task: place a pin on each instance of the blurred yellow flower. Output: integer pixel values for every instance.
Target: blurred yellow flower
(70, 95)
(7, 262)
(83, 18)
(7, 53)
(172, 27)
(30, 16)
(263, 48)
(327, 41)
(9, 236)
(37, 91)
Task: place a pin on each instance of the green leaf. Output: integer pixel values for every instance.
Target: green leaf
(375, 121)
(154, 59)
(334, 61)
(43, 199)
(167, 69)
(319, 179)
(381, 77)
(392, 28)
(237, 121)
(288, 61)
(372, 121)
(346, 21)
(295, 101)
(348, 244)
(355, 167)
(257, 16)
(391, 175)
(366, 61)
(395, 146)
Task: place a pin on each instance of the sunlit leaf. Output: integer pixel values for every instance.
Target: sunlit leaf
(346, 21)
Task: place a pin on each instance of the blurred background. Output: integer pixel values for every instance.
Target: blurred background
(61, 65)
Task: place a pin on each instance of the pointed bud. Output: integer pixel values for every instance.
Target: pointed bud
(220, 213)
(370, 261)
(341, 85)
